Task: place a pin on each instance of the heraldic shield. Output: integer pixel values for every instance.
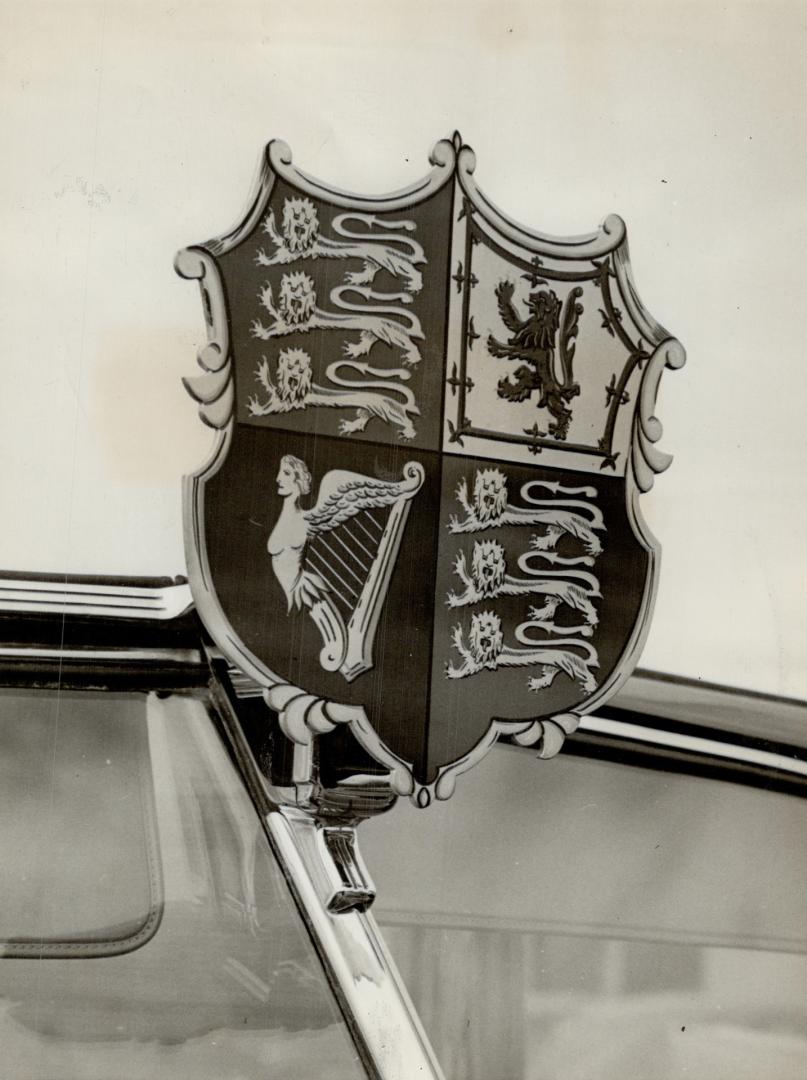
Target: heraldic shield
(420, 518)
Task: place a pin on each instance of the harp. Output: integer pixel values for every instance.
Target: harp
(355, 557)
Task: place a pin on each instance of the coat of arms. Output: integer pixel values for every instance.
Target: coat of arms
(434, 424)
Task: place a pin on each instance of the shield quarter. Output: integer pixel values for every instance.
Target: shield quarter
(420, 517)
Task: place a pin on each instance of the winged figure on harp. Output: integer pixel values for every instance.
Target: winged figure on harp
(336, 558)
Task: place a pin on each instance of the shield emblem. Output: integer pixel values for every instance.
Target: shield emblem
(420, 518)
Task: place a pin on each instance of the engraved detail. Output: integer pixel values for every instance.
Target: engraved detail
(459, 277)
(536, 263)
(456, 434)
(533, 341)
(490, 509)
(486, 651)
(455, 381)
(488, 579)
(557, 648)
(612, 391)
(376, 245)
(296, 311)
(537, 435)
(646, 458)
(609, 321)
(336, 559)
(213, 390)
(293, 389)
(464, 278)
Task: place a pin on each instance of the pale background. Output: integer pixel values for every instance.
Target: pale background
(131, 129)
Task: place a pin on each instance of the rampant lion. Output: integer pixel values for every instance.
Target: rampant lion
(296, 311)
(486, 651)
(376, 247)
(533, 341)
(295, 388)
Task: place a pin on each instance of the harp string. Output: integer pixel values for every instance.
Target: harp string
(352, 555)
(327, 573)
(370, 536)
(358, 542)
(346, 566)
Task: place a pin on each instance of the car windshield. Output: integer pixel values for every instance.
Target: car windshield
(586, 920)
(147, 930)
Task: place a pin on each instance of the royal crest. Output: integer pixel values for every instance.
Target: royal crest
(421, 516)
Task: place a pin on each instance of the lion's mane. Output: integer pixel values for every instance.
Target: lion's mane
(297, 298)
(300, 225)
(488, 566)
(293, 376)
(490, 494)
(485, 637)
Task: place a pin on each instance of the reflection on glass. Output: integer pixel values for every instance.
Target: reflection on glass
(517, 1006)
(577, 920)
(227, 986)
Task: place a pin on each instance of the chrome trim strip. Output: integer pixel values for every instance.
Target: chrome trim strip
(124, 601)
(451, 920)
(91, 655)
(708, 705)
(375, 1004)
(387, 1029)
(693, 743)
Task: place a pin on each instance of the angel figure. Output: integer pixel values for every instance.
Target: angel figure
(288, 538)
(335, 570)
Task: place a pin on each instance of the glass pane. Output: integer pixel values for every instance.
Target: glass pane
(578, 919)
(79, 876)
(227, 985)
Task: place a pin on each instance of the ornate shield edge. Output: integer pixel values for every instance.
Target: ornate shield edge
(303, 716)
(645, 459)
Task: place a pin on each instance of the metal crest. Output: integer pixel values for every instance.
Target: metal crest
(420, 516)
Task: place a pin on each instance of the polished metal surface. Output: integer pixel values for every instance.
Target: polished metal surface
(694, 744)
(122, 655)
(47, 597)
(705, 705)
(376, 1004)
(333, 889)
